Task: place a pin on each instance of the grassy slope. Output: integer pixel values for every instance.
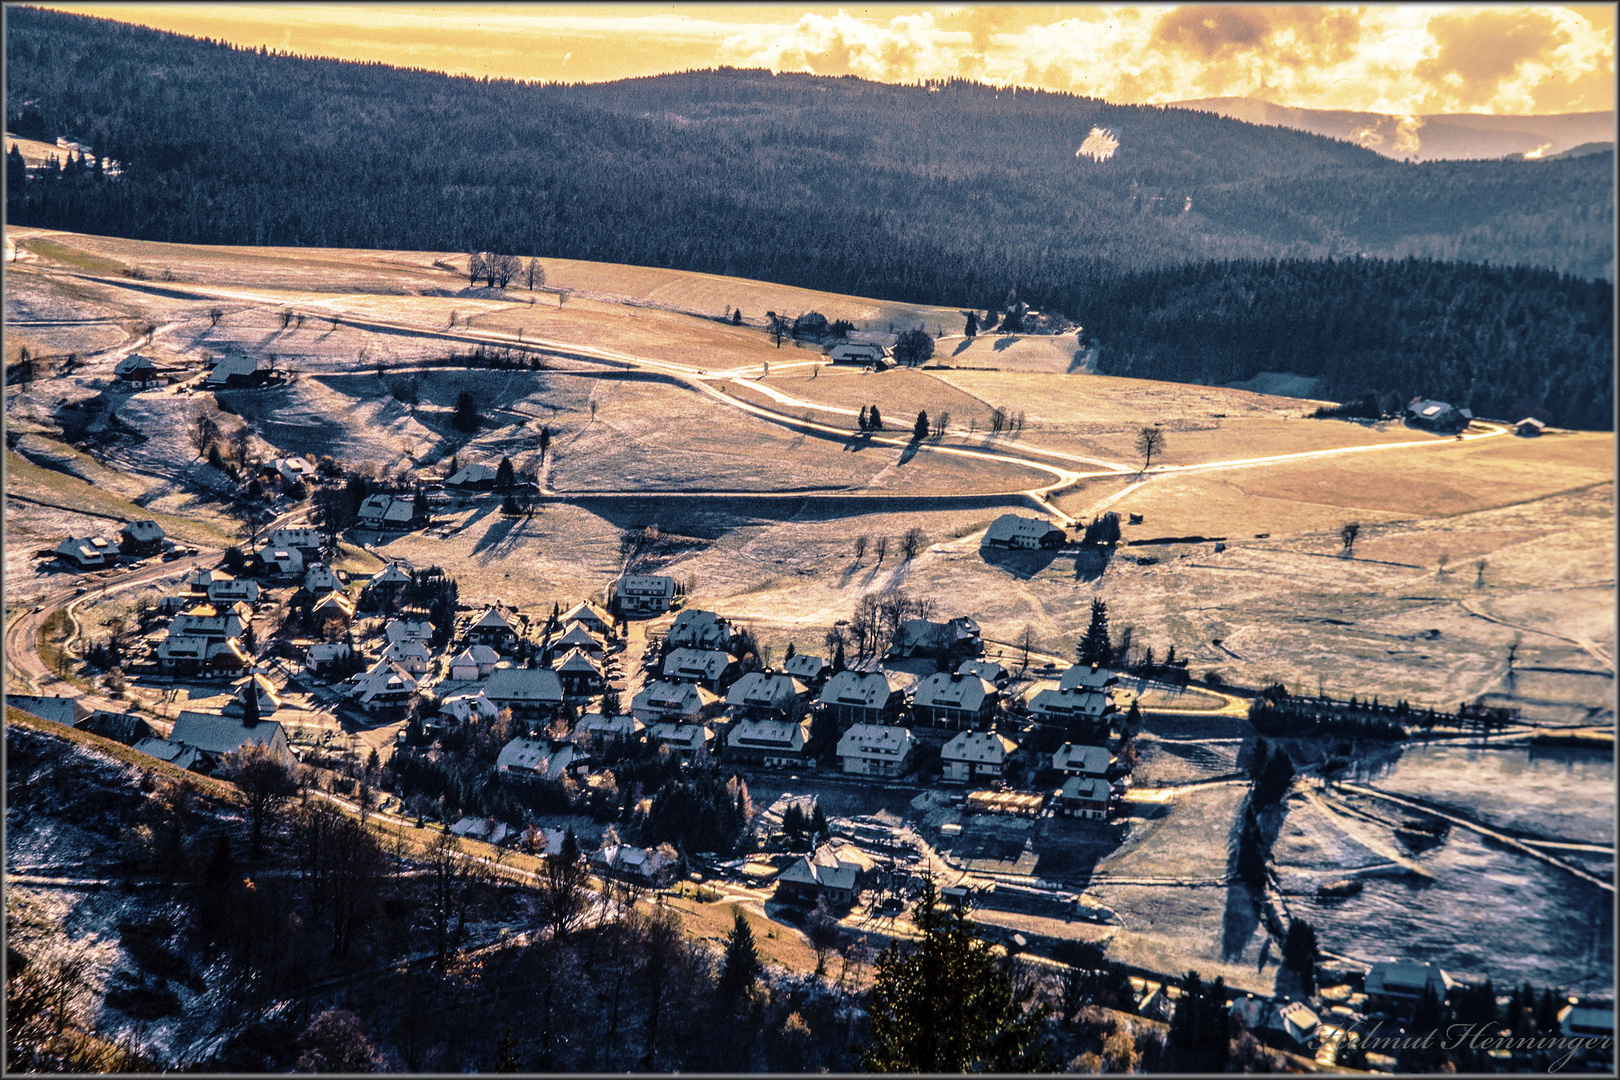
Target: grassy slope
(26, 480)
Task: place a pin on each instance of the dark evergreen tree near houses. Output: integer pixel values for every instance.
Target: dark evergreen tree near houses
(1200, 1032)
(1095, 647)
(818, 822)
(505, 475)
(466, 417)
(740, 968)
(945, 1004)
(1299, 953)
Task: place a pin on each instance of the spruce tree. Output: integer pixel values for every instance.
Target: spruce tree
(1095, 647)
(863, 421)
(920, 430)
(874, 420)
(741, 966)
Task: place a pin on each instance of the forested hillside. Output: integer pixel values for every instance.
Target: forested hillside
(945, 194)
(1503, 341)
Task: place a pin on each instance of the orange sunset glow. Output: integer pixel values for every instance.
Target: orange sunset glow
(1402, 59)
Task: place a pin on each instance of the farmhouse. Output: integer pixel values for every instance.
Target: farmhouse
(954, 700)
(765, 695)
(204, 622)
(773, 744)
(949, 640)
(538, 757)
(1082, 797)
(385, 689)
(237, 370)
(806, 880)
(706, 667)
(407, 630)
(214, 736)
(1529, 427)
(643, 594)
(390, 578)
(137, 371)
(863, 697)
(319, 580)
(1403, 982)
(579, 674)
(1013, 531)
(699, 629)
(1437, 416)
(141, 537)
(875, 750)
(373, 509)
(531, 693)
(590, 617)
(59, 709)
(85, 553)
(179, 655)
(976, 754)
(413, 656)
(861, 354)
(472, 478)
(493, 629)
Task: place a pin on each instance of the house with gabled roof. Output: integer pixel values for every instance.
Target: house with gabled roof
(234, 591)
(772, 744)
(531, 693)
(494, 629)
(541, 758)
(373, 508)
(412, 655)
(646, 866)
(385, 689)
(988, 670)
(643, 594)
(305, 539)
(1404, 982)
(664, 702)
(126, 728)
(860, 354)
(577, 637)
(863, 697)
(138, 371)
(953, 700)
(806, 880)
(180, 655)
(1082, 797)
(292, 470)
(1016, 531)
(61, 710)
(215, 735)
(207, 623)
(687, 742)
(767, 695)
(407, 630)
(603, 730)
(198, 581)
(278, 562)
(875, 750)
(695, 628)
(1082, 704)
(590, 616)
(319, 580)
(464, 707)
(141, 537)
(706, 667)
(473, 662)
(180, 756)
(1078, 759)
(402, 510)
(324, 654)
(85, 552)
(236, 370)
(808, 669)
(581, 676)
(391, 579)
(973, 755)
(954, 640)
(472, 478)
(334, 605)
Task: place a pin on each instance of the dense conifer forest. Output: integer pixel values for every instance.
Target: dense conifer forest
(950, 193)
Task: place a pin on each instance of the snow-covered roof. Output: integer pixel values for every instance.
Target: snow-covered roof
(1070, 703)
(1088, 676)
(392, 574)
(686, 698)
(768, 735)
(804, 666)
(525, 685)
(403, 629)
(1092, 788)
(59, 709)
(864, 689)
(876, 741)
(184, 757)
(143, 532)
(1074, 757)
(466, 706)
(235, 364)
(949, 690)
(469, 475)
(587, 613)
(646, 585)
(1010, 527)
(319, 578)
(684, 736)
(578, 661)
(988, 747)
(765, 690)
(578, 637)
(493, 619)
(697, 663)
(133, 363)
(215, 734)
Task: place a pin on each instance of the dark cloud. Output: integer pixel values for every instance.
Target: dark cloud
(1293, 36)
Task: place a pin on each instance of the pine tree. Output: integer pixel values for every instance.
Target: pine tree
(1095, 647)
(946, 1004)
(741, 966)
(874, 420)
(838, 661)
(920, 431)
(863, 421)
(818, 821)
(505, 476)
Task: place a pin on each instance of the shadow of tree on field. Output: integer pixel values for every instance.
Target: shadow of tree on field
(909, 452)
(1091, 561)
(494, 535)
(1005, 343)
(960, 349)
(1019, 563)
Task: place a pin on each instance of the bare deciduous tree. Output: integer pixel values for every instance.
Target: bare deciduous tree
(1149, 441)
(860, 546)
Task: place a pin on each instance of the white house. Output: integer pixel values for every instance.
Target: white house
(293, 470)
(407, 630)
(413, 656)
(950, 699)
(806, 668)
(538, 757)
(464, 707)
(1013, 531)
(644, 594)
(592, 617)
(766, 695)
(473, 662)
(874, 750)
(975, 754)
(385, 689)
(774, 744)
(661, 702)
(1082, 797)
(861, 353)
(319, 580)
(862, 697)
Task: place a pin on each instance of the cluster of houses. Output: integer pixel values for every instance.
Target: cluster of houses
(136, 540)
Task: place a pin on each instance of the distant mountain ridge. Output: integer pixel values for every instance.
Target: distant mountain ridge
(1428, 137)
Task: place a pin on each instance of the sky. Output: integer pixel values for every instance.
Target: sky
(1400, 59)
